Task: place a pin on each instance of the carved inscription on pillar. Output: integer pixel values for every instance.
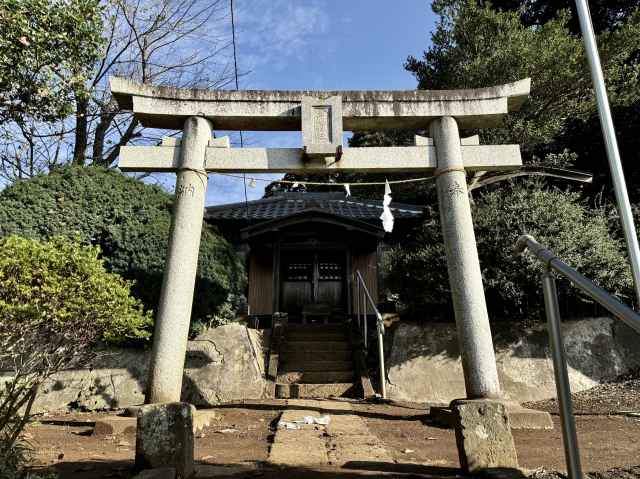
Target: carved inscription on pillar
(321, 124)
(455, 190)
(185, 190)
(322, 127)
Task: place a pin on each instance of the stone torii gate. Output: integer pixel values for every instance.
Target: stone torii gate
(321, 116)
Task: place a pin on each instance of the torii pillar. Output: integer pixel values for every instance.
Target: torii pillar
(178, 283)
(463, 265)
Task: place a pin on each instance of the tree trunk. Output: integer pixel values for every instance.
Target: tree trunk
(99, 136)
(128, 135)
(81, 133)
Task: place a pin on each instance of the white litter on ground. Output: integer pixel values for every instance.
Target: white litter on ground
(320, 420)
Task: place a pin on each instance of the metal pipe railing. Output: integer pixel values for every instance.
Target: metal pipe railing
(619, 309)
(610, 141)
(358, 303)
(563, 386)
(365, 312)
(366, 298)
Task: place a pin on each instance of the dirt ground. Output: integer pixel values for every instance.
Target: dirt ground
(242, 434)
(606, 441)
(622, 398)
(64, 442)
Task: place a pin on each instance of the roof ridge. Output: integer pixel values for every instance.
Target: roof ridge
(287, 204)
(270, 199)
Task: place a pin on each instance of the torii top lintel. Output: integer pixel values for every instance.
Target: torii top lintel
(273, 110)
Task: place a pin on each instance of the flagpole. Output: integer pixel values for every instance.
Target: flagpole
(611, 143)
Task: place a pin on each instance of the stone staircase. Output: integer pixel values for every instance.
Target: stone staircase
(315, 361)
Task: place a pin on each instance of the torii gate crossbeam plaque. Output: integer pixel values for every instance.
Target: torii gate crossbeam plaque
(321, 116)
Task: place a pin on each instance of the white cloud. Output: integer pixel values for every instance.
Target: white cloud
(275, 32)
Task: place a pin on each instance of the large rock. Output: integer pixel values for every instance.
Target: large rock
(223, 364)
(423, 360)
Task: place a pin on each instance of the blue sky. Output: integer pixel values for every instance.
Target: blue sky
(321, 45)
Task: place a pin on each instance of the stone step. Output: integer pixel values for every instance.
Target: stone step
(287, 391)
(318, 377)
(316, 346)
(339, 328)
(304, 335)
(305, 366)
(294, 356)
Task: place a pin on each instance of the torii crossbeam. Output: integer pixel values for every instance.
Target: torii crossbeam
(321, 117)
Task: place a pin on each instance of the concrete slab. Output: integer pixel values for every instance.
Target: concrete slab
(122, 424)
(523, 418)
(345, 440)
(298, 447)
(519, 417)
(351, 441)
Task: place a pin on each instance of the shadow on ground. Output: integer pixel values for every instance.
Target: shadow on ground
(355, 469)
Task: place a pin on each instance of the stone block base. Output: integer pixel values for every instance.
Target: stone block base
(519, 417)
(483, 436)
(201, 418)
(164, 437)
(523, 418)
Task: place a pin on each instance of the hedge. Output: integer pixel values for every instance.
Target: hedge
(129, 220)
(583, 237)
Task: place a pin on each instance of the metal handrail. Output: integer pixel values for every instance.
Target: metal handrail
(363, 309)
(552, 309)
(608, 301)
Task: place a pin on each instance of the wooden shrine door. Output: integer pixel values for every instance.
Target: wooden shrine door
(312, 277)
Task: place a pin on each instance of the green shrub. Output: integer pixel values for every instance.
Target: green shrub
(62, 282)
(130, 222)
(417, 272)
(56, 302)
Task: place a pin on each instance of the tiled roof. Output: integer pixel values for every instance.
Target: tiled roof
(285, 204)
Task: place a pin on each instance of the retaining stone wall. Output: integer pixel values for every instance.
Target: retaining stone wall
(222, 364)
(423, 360)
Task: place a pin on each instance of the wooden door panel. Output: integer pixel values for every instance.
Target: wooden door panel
(331, 293)
(312, 277)
(331, 266)
(295, 294)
